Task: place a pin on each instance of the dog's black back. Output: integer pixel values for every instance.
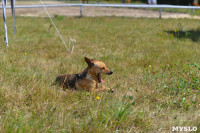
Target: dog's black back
(69, 80)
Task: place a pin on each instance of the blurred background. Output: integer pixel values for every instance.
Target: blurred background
(170, 2)
(108, 11)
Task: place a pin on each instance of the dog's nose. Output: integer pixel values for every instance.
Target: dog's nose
(111, 72)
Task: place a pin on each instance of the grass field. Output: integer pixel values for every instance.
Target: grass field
(156, 79)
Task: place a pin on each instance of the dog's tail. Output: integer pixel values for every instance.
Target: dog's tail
(60, 80)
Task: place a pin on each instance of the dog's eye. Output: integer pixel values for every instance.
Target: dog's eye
(103, 67)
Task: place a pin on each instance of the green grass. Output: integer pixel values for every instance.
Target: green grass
(156, 75)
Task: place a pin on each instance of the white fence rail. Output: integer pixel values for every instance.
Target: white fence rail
(109, 5)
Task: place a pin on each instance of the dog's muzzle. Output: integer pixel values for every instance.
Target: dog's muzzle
(111, 72)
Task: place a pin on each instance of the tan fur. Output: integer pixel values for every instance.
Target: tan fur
(88, 79)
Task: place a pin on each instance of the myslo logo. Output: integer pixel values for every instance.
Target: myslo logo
(183, 129)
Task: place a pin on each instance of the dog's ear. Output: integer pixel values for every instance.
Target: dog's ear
(89, 61)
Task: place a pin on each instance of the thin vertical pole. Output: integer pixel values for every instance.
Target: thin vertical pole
(81, 11)
(13, 14)
(4, 18)
(160, 13)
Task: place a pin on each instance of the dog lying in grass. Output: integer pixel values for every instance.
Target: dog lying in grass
(88, 79)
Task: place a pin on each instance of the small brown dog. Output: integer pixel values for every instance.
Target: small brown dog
(88, 79)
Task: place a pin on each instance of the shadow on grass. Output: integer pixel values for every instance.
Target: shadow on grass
(194, 35)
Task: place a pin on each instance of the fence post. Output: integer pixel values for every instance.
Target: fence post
(192, 10)
(81, 11)
(4, 4)
(160, 15)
